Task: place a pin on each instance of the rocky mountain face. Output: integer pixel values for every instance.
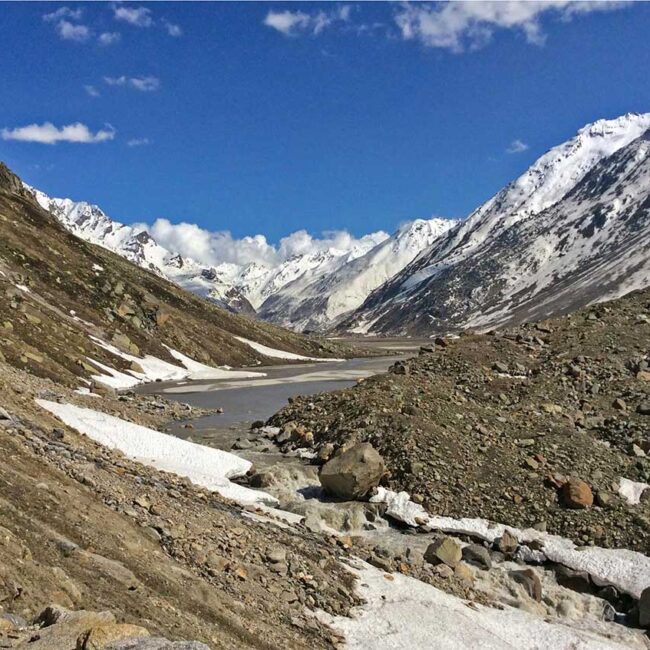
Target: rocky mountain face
(317, 301)
(573, 229)
(59, 295)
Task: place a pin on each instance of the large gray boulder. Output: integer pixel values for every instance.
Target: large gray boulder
(354, 473)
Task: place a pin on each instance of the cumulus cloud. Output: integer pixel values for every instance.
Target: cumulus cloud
(137, 16)
(92, 90)
(143, 84)
(63, 12)
(108, 38)
(517, 146)
(209, 247)
(293, 23)
(460, 26)
(48, 133)
(72, 32)
(172, 29)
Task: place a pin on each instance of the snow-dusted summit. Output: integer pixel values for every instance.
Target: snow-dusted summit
(573, 229)
(319, 300)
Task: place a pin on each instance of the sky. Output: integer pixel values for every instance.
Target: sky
(269, 118)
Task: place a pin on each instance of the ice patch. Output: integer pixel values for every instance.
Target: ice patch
(205, 466)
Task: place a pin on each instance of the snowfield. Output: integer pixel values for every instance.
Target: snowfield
(205, 466)
(402, 613)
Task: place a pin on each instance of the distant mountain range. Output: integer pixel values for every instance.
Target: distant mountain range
(571, 230)
(295, 284)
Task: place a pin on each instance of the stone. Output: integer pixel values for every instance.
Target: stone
(530, 581)
(464, 573)
(577, 494)
(571, 579)
(499, 366)
(445, 550)
(507, 543)
(477, 555)
(98, 638)
(644, 608)
(643, 409)
(352, 474)
(619, 404)
(276, 555)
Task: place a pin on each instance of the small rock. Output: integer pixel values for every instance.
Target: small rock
(477, 555)
(507, 543)
(644, 608)
(500, 367)
(445, 550)
(643, 409)
(577, 494)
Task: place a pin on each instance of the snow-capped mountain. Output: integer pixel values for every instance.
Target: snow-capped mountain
(573, 229)
(90, 223)
(317, 301)
(240, 288)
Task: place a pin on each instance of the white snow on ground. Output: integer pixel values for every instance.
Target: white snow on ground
(626, 570)
(24, 288)
(198, 371)
(401, 612)
(280, 354)
(205, 466)
(155, 369)
(631, 491)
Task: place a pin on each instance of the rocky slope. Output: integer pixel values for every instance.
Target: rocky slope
(573, 229)
(492, 425)
(317, 301)
(57, 292)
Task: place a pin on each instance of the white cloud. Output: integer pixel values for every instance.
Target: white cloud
(47, 133)
(517, 146)
(292, 23)
(91, 90)
(172, 29)
(138, 16)
(108, 38)
(143, 84)
(459, 26)
(70, 32)
(210, 247)
(138, 142)
(64, 12)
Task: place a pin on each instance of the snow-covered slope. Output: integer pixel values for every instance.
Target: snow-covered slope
(573, 229)
(319, 300)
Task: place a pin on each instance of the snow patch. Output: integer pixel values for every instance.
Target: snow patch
(279, 354)
(205, 466)
(402, 612)
(631, 491)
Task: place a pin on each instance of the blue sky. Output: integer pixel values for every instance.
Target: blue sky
(268, 118)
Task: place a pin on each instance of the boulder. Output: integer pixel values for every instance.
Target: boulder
(507, 543)
(352, 474)
(530, 581)
(577, 494)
